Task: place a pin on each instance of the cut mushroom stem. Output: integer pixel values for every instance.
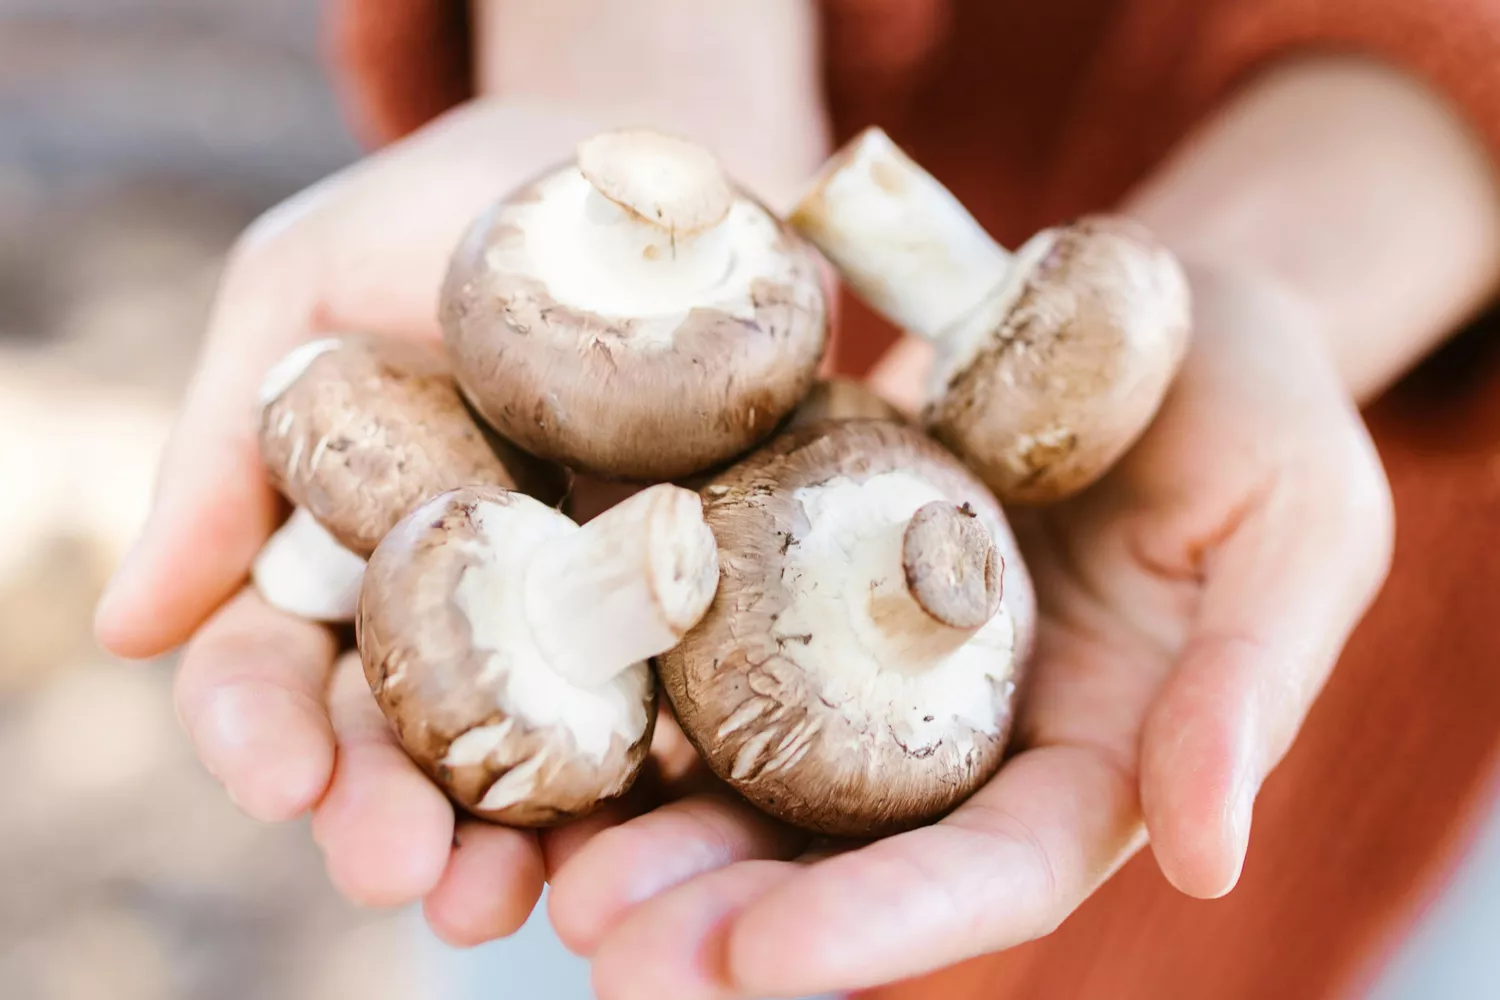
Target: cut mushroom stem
(304, 571)
(624, 587)
(901, 239)
(652, 217)
(948, 588)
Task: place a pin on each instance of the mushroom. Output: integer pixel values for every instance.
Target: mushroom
(356, 430)
(856, 672)
(841, 399)
(506, 644)
(633, 314)
(1050, 362)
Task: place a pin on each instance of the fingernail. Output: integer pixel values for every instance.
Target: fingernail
(1242, 812)
(1239, 814)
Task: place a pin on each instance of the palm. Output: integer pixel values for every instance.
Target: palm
(1183, 600)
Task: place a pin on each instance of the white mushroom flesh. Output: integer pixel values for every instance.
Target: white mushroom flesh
(595, 256)
(491, 596)
(289, 368)
(304, 571)
(958, 344)
(841, 571)
(901, 239)
(643, 572)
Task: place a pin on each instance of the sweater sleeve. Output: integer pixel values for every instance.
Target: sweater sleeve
(1453, 45)
(397, 64)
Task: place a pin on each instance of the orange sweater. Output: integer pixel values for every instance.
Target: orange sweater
(1052, 109)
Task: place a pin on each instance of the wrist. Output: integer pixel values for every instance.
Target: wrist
(701, 70)
(1353, 189)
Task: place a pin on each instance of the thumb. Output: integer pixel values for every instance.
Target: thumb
(1282, 593)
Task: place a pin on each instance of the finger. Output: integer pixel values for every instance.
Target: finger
(1007, 867)
(385, 829)
(492, 882)
(628, 864)
(560, 844)
(900, 376)
(674, 946)
(249, 692)
(1282, 595)
(674, 770)
(213, 507)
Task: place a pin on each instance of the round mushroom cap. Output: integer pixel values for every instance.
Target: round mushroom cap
(450, 657)
(777, 685)
(358, 429)
(1059, 373)
(649, 360)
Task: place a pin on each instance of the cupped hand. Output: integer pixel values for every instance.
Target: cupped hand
(1192, 604)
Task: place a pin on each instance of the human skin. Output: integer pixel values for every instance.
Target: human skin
(1337, 222)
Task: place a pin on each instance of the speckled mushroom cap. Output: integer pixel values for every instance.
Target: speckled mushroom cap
(358, 429)
(452, 660)
(785, 686)
(1058, 374)
(633, 314)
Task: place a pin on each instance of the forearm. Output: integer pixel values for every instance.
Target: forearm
(1352, 189)
(741, 76)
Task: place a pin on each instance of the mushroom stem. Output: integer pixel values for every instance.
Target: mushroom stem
(901, 239)
(654, 211)
(950, 585)
(625, 587)
(303, 570)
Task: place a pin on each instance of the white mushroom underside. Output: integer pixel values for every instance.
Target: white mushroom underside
(304, 571)
(852, 546)
(489, 595)
(958, 345)
(282, 375)
(594, 256)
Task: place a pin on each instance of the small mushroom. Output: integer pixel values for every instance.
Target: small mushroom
(856, 672)
(633, 314)
(304, 571)
(356, 430)
(1050, 361)
(507, 645)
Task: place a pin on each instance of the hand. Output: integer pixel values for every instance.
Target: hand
(268, 712)
(1192, 604)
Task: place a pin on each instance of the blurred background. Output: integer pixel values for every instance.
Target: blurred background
(136, 139)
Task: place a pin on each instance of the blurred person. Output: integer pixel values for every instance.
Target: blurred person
(1326, 171)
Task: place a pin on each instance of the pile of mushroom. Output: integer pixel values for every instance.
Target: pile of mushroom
(832, 599)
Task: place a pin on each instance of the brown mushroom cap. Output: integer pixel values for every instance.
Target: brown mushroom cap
(619, 366)
(358, 429)
(806, 721)
(449, 655)
(842, 399)
(1060, 373)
